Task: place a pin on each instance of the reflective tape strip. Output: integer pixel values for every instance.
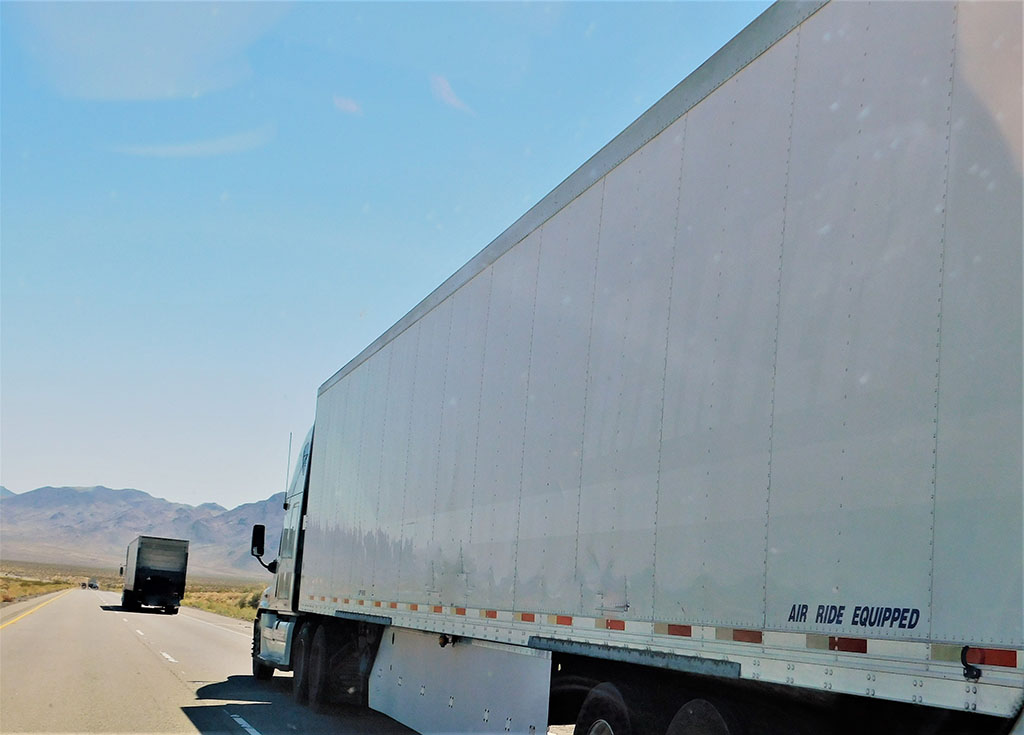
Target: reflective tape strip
(492, 614)
(393, 605)
(992, 657)
(610, 624)
(459, 610)
(413, 606)
(526, 617)
(559, 619)
(849, 645)
(673, 629)
(334, 599)
(376, 603)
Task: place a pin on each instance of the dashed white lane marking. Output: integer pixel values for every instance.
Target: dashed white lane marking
(168, 657)
(139, 632)
(125, 619)
(244, 725)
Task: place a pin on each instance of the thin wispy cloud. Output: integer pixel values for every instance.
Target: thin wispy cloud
(443, 91)
(347, 105)
(246, 140)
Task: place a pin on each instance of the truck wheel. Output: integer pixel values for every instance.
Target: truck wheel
(300, 663)
(603, 713)
(701, 717)
(128, 601)
(260, 670)
(319, 670)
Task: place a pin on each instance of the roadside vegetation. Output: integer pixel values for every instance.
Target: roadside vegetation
(224, 598)
(21, 580)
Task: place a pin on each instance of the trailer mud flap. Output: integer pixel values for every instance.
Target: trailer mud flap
(464, 686)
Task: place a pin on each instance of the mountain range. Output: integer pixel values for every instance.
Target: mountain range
(91, 526)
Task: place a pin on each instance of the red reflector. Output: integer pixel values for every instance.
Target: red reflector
(529, 618)
(376, 603)
(334, 599)
(460, 611)
(564, 620)
(684, 630)
(393, 605)
(747, 636)
(414, 606)
(850, 645)
(322, 598)
(490, 613)
(615, 624)
(438, 608)
(345, 600)
(362, 602)
(992, 657)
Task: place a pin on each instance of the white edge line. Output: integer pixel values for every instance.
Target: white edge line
(219, 627)
(139, 632)
(168, 657)
(244, 725)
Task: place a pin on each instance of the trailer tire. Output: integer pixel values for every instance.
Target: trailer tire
(701, 717)
(300, 663)
(320, 670)
(604, 712)
(260, 671)
(128, 601)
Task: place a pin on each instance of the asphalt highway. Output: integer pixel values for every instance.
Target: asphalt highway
(74, 662)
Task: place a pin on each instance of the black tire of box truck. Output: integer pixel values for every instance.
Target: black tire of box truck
(260, 670)
(319, 667)
(300, 663)
(603, 712)
(701, 717)
(128, 601)
(171, 610)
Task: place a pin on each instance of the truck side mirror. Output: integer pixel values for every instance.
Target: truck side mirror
(258, 534)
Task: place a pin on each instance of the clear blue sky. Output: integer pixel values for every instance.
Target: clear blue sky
(208, 209)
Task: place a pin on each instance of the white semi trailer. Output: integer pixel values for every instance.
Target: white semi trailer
(722, 436)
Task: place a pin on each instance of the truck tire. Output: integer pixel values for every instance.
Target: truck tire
(300, 663)
(603, 712)
(128, 601)
(260, 671)
(319, 666)
(701, 717)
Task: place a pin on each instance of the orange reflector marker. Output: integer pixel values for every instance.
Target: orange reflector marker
(438, 608)
(850, 645)
(345, 600)
(413, 606)
(362, 602)
(563, 619)
(393, 605)
(992, 657)
(680, 630)
(334, 599)
(376, 603)
(528, 617)
(490, 614)
(460, 611)
(747, 636)
(615, 624)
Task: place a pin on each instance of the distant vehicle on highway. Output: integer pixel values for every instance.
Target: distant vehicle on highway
(93, 584)
(154, 573)
(84, 585)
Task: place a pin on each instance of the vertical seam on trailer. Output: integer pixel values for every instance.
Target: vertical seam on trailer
(664, 367)
(479, 407)
(408, 452)
(586, 394)
(938, 329)
(526, 419)
(444, 393)
(778, 320)
(380, 469)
